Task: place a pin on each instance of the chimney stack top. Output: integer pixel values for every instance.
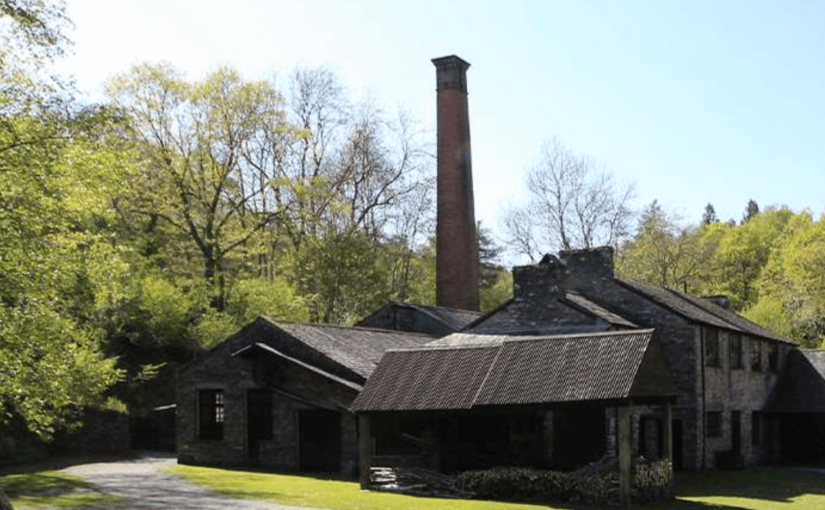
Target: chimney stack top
(451, 73)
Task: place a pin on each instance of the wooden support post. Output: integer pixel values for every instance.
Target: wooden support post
(668, 453)
(624, 454)
(365, 443)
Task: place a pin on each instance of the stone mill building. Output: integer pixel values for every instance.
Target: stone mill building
(579, 364)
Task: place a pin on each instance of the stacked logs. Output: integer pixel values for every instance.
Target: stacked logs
(417, 481)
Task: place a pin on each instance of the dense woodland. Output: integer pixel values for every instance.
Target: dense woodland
(138, 231)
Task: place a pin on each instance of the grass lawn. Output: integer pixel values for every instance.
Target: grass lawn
(755, 489)
(42, 484)
(52, 488)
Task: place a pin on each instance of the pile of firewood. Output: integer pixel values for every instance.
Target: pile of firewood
(421, 482)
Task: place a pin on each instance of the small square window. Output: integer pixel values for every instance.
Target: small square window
(712, 356)
(756, 354)
(714, 424)
(210, 414)
(736, 351)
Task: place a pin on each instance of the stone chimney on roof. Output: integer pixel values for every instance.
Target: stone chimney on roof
(457, 244)
(587, 271)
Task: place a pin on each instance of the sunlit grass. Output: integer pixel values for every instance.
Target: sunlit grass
(755, 489)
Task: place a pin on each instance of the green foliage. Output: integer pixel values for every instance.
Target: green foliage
(207, 162)
(277, 299)
(346, 273)
(792, 285)
(214, 327)
(664, 253)
(168, 308)
(770, 266)
(49, 366)
(59, 266)
(498, 292)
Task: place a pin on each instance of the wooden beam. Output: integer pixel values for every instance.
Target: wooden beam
(365, 444)
(624, 454)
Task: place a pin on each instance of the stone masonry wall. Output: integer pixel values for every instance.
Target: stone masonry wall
(235, 376)
(729, 389)
(590, 272)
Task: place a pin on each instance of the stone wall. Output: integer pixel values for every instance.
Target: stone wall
(730, 389)
(590, 273)
(293, 389)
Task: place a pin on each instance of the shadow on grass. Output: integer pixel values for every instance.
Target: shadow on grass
(774, 484)
(41, 483)
(63, 462)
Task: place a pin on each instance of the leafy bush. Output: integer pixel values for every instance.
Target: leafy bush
(516, 484)
(597, 482)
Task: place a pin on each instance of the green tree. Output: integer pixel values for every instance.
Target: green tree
(208, 151)
(751, 210)
(664, 253)
(344, 275)
(741, 254)
(709, 216)
(58, 266)
(792, 285)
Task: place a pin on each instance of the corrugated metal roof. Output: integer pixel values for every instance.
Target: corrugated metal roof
(566, 369)
(479, 370)
(426, 379)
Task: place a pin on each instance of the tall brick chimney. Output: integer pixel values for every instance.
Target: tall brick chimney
(457, 244)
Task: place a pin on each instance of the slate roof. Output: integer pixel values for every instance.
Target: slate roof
(802, 387)
(597, 310)
(546, 317)
(260, 347)
(465, 371)
(452, 318)
(359, 349)
(700, 310)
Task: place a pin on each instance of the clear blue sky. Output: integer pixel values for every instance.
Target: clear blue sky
(698, 101)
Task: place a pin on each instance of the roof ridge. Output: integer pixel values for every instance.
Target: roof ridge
(690, 300)
(564, 336)
(344, 326)
(484, 316)
(649, 293)
(714, 309)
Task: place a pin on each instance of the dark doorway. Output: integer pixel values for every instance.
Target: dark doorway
(258, 422)
(736, 432)
(482, 442)
(650, 437)
(803, 438)
(319, 441)
(677, 445)
(578, 435)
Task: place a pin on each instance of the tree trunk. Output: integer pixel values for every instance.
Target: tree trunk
(5, 504)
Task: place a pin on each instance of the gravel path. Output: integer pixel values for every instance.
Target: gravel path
(145, 487)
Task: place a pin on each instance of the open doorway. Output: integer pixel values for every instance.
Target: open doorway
(319, 441)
